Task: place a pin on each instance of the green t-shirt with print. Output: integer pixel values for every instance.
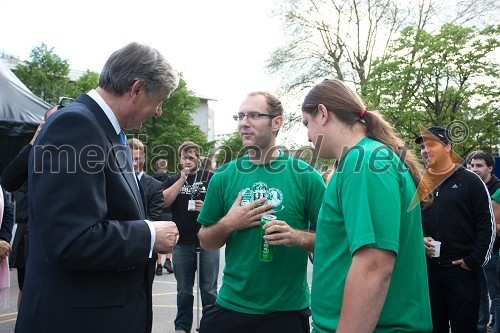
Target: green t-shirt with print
(250, 285)
(367, 204)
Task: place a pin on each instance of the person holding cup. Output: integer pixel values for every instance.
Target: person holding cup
(460, 218)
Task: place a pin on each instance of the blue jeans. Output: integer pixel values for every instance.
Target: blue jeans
(484, 305)
(490, 273)
(184, 262)
(491, 287)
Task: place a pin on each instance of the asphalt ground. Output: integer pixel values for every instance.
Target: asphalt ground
(164, 302)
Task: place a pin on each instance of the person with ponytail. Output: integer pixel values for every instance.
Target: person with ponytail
(369, 270)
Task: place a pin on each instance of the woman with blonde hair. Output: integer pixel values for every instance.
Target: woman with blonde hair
(369, 271)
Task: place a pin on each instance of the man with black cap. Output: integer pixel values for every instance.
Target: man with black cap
(460, 218)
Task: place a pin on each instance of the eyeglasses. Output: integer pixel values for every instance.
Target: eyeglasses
(252, 116)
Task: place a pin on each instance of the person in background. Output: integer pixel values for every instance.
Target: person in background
(185, 193)
(485, 309)
(259, 296)
(483, 164)
(90, 243)
(468, 159)
(161, 174)
(152, 188)
(495, 202)
(6, 225)
(460, 218)
(14, 179)
(369, 235)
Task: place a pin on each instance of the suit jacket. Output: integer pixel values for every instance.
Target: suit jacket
(153, 194)
(89, 245)
(7, 219)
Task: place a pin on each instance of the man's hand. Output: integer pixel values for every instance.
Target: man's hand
(280, 233)
(184, 174)
(5, 249)
(461, 263)
(166, 236)
(429, 248)
(243, 217)
(198, 204)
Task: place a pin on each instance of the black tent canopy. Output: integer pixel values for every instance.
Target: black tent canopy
(20, 113)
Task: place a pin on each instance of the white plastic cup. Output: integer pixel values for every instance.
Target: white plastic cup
(437, 248)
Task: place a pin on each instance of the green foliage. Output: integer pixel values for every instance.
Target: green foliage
(449, 79)
(46, 75)
(163, 135)
(89, 80)
(230, 149)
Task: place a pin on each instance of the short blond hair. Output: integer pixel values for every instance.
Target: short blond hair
(134, 144)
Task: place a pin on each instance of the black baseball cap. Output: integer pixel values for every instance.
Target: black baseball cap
(440, 133)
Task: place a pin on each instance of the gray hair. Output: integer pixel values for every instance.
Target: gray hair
(135, 62)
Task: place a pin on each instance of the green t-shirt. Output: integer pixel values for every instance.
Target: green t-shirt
(366, 204)
(496, 196)
(250, 285)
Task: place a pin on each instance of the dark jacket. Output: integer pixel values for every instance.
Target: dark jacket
(7, 219)
(461, 219)
(88, 269)
(493, 185)
(153, 194)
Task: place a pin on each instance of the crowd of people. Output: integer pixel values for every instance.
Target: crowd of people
(398, 246)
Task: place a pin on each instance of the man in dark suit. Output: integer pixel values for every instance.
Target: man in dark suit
(90, 243)
(161, 167)
(153, 191)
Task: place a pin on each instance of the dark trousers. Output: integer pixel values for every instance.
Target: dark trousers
(217, 319)
(454, 294)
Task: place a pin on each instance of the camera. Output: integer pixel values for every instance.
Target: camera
(64, 101)
(199, 191)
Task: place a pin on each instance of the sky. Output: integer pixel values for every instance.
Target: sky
(220, 46)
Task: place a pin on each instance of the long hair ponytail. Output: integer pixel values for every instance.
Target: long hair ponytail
(348, 107)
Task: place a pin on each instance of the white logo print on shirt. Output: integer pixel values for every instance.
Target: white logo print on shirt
(261, 190)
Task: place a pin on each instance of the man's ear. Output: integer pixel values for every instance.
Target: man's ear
(276, 123)
(137, 88)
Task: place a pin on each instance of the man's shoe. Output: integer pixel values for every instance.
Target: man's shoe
(168, 266)
(159, 270)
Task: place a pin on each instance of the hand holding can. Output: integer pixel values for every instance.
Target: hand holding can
(266, 250)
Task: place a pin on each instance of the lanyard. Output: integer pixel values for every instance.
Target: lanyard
(192, 186)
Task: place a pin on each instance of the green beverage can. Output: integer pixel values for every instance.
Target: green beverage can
(266, 250)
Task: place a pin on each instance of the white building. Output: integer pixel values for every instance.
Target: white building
(204, 117)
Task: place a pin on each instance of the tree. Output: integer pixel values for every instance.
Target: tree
(231, 148)
(449, 79)
(89, 80)
(339, 39)
(46, 75)
(163, 135)
(332, 39)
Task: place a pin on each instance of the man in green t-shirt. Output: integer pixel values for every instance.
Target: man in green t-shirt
(258, 296)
